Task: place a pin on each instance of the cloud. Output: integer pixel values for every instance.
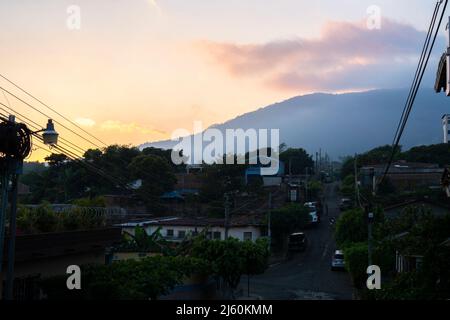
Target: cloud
(131, 127)
(85, 122)
(346, 55)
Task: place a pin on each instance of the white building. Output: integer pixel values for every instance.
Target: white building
(446, 127)
(176, 229)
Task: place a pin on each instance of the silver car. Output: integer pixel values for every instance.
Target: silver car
(338, 262)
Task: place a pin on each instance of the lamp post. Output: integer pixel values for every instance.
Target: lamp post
(15, 147)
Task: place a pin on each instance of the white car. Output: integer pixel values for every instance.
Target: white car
(338, 262)
(312, 212)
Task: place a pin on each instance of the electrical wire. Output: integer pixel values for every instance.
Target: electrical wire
(47, 116)
(423, 62)
(419, 67)
(37, 127)
(52, 109)
(89, 167)
(75, 157)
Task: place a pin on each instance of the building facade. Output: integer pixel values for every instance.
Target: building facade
(176, 229)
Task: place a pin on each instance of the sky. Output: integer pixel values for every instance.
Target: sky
(137, 70)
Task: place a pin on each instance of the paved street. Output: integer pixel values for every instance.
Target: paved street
(307, 275)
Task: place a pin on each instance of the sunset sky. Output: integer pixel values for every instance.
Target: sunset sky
(139, 69)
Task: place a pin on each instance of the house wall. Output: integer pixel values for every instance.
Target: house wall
(234, 232)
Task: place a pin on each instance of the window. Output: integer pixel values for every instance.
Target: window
(217, 235)
(209, 235)
(248, 236)
(181, 234)
(169, 233)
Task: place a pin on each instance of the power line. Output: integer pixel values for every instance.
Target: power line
(47, 116)
(36, 126)
(52, 109)
(90, 167)
(419, 67)
(415, 87)
(73, 156)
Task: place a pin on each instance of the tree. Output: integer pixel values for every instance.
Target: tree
(351, 227)
(289, 219)
(56, 159)
(156, 175)
(230, 259)
(299, 158)
(379, 155)
(144, 279)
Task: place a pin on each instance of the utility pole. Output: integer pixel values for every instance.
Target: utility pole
(290, 170)
(4, 205)
(370, 218)
(269, 218)
(306, 184)
(12, 236)
(15, 146)
(227, 215)
(356, 180)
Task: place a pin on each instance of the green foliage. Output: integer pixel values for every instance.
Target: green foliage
(95, 202)
(43, 219)
(357, 260)
(144, 279)
(65, 180)
(315, 188)
(375, 156)
(231, 258)
(288, 219)
(143, 242)
(438, 153)
(156, 175)
(219, 179)
(351, 227)
(348, 186)
(299, 158)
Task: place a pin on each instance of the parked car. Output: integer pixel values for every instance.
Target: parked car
(345, 204)
(338, 262)
(312, 212)
(297, 242)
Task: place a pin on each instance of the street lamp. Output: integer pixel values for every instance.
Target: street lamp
(49, 135)
(15, 146)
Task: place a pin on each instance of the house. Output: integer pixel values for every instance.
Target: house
(38, 256)
(177, 228)
(404, 176)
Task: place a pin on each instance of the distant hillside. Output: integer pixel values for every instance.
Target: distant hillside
(346, 123)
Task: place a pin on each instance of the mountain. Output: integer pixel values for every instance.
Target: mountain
(342, 124)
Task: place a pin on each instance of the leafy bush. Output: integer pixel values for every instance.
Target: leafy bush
(144, 279)
(288, 219)
(45, 219)
(230, 259)
(90, 202)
